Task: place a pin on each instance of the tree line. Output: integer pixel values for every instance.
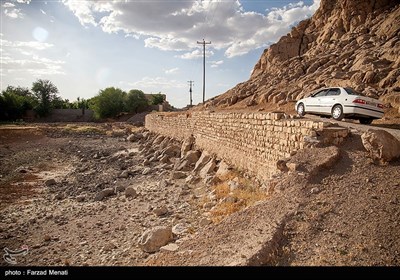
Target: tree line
(44, 96)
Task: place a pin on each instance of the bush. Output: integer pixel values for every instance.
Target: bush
(108, 103)
(136, 101)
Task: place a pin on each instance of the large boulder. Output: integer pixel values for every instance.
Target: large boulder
(187, 145)
(381, 145)
(204, 158)
(152, 239)
(207, 169)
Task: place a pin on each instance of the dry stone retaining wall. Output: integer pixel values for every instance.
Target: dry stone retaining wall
(250, 141)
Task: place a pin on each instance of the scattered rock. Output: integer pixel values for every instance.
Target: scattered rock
(160, 211)
(172, 247)
(223, 170)
(234, 184)
(191, 179)
(164, 183)
(207, 169)
(50, 182)
(130, 192)
(381, 145)
(204, 158)
(120, 188)
(154, 238)
(124, 174)
(204, 222)
(314, 190)
(187, 145)
(59, 196)
(103, 194)
(80, 198)
(179, 229)
(178, 175)
(146, 171)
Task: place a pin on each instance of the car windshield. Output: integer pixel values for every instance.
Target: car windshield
(352, 91)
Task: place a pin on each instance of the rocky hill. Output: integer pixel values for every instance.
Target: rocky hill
(352, 43)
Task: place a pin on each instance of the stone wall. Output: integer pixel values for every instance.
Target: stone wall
(250, 141)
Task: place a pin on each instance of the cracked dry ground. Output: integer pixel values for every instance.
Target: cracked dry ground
(345, 214)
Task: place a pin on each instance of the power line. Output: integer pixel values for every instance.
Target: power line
(190, 91)
(204, 43)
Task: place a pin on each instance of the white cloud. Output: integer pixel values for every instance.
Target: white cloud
(215, 64)
(172, 70)
(177, 25)
(24, 1)
(155, 83)
(8, 5)
(19, 57)
(195, 54)
(13, 13)
(28, 44)
(43, 12)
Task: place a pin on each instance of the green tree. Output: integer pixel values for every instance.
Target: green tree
(14, 101)
(46, 92)
(136, 101)
(109, 102)
(157, 99)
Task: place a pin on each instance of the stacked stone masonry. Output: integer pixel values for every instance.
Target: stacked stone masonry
(249, 141)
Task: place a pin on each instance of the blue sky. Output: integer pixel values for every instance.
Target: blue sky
(85, 46)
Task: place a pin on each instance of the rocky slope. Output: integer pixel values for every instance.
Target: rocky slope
(352, 43)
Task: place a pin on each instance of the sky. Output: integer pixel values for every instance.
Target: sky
(83, 47)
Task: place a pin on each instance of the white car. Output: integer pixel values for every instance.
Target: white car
(340, 103)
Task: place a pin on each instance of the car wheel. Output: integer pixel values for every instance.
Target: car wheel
(301, 110)
(366, 121)
(337, 112)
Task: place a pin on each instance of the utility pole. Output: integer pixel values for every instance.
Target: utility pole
(204, 43)
(190, 91)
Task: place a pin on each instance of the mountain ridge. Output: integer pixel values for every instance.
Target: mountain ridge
(345, 43)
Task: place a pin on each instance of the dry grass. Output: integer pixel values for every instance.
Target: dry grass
(245, 196)
(82, 129)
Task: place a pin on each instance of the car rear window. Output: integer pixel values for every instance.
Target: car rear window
(353, 92)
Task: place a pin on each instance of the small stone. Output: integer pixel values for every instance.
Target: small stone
(204, 222)
(172, 247)
(120, 189)
(314, 190)
(50, 182)
(130, 192)
(160, 211)
(59, 196)
(164, 183)
(178, 175)
(152, 239)
(80, 198)
(124, 174)
(47, 238)
(179, 229)
(146, 171)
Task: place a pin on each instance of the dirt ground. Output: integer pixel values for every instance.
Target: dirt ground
(344, 215)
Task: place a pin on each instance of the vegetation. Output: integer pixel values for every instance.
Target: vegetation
(109, 102)
(46, 94)
(136, 101)
(157, 99)
(43, 97)
(14, 101)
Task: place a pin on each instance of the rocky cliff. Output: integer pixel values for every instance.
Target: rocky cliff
(352, 43)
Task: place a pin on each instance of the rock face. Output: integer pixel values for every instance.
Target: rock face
(381, 145)
(153, 239)
(351, 43)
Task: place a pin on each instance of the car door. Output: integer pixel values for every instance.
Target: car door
(313, 104)
(328, 100)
